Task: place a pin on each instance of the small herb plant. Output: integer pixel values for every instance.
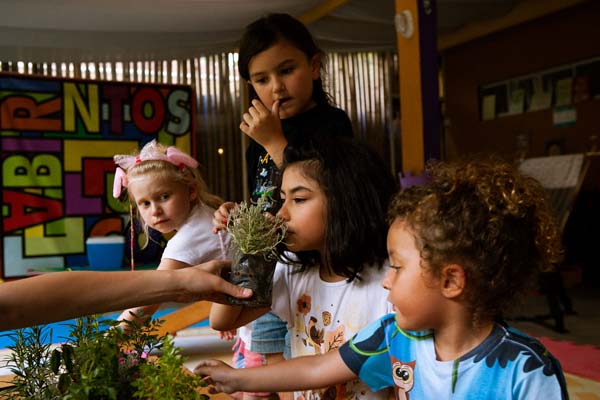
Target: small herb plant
(255, 236)
(99, 364)
(253, 231)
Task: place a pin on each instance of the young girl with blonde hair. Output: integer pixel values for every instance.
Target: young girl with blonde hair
(165, 187)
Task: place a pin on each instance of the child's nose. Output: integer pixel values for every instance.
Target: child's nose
(283, 213)
(278, 85)
(156, 210)
(386, 281)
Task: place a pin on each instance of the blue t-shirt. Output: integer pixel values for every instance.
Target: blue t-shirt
(506, 365)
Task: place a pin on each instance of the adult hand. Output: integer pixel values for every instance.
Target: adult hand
(217, 374)
(220, 216)
(203, 282)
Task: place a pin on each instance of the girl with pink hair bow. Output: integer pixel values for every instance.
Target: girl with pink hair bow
(170, 196)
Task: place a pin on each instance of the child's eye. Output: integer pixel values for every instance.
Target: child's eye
(286, 71)
(260, 81)
(299, 200)
(164, 196)
(396, 267)
(144, 204)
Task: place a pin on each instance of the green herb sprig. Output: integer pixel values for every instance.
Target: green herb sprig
(255, 232)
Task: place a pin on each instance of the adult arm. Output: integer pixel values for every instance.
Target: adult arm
(64, 295)
(142, 313)
(301, 373)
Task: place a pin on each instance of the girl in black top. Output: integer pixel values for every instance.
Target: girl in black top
(282, 64)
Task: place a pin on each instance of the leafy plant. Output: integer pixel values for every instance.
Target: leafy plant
(255, 232)
(99, 363)
(28, 361)
(164, 378)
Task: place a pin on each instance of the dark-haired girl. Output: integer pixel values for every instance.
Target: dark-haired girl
(334, 197)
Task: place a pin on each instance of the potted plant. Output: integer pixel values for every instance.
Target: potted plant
(255, 236)
(99, 363)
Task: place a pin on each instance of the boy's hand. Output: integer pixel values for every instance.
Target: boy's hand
(220, 216)
(218, 374)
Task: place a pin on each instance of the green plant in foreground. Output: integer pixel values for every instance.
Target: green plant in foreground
(255, 232)
(97, 363)
(164, 378)
(29, 362)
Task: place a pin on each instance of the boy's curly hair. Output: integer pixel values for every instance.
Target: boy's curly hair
(488, 218)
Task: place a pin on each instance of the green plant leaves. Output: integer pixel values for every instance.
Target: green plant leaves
(253, 231)
(99, 364)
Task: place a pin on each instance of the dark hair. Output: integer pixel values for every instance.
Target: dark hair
(488, 218)
(358, 187)
(268, 30)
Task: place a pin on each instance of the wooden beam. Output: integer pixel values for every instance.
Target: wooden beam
(411, 112)
(184, 317)
(418, 78)
(320, 11)
(523, 12)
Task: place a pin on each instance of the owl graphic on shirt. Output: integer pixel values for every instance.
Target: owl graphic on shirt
(403, 374)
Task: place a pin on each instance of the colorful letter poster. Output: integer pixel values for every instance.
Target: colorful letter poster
(57, 140)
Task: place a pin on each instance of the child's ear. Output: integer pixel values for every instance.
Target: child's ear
(193, 192)
(315, 64)
(452, 280)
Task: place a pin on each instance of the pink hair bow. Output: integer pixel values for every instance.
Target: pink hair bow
(149, 153)
(179, 158)
(120, 182)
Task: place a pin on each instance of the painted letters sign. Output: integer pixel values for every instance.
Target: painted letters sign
(57, 139)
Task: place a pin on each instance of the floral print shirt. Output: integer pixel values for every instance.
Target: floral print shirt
(323, 315)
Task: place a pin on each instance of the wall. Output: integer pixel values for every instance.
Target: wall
(562, 38)
(56, 149)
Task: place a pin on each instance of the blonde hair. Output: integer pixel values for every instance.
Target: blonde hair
(152, 160)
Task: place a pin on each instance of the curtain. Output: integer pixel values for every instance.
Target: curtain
(361, 83)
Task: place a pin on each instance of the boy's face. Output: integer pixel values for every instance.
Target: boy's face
(414, 292)
(282, 72)
(304, 209)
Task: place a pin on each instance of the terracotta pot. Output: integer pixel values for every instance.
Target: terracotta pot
(254, 272)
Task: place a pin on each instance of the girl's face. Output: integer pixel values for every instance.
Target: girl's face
(283, 72)
(304, 209)
(414, 292)
(164, 205)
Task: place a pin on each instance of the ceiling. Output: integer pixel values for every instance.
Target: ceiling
(103, 30)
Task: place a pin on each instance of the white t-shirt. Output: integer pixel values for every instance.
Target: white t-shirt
(195, 243)
(323, 315)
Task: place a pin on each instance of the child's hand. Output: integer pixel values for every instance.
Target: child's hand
(228, 335)
(219, 375)
(264, 126)
(220, 216)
